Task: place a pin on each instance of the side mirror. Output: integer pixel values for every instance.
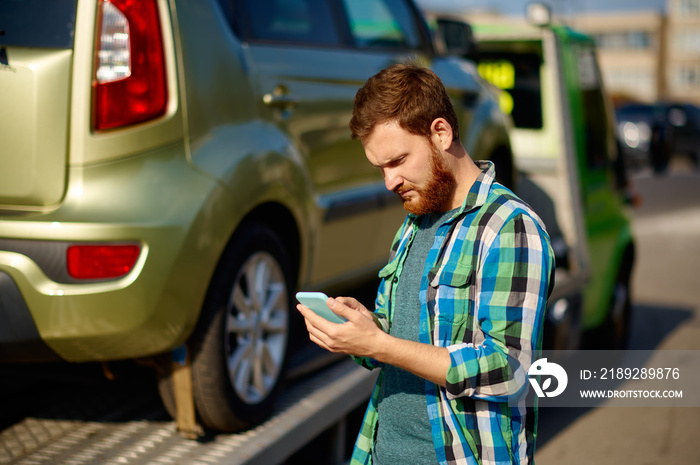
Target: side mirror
(457, 37)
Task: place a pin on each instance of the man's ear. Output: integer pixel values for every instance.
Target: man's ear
(441, 133)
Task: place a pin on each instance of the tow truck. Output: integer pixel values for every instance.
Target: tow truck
(567, 161)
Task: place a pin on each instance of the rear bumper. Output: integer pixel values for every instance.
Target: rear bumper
(149, 310)
(134, 316)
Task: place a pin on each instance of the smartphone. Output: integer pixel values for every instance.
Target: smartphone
(316, 301)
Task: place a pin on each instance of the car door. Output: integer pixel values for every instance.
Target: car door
(309, 57)
(382, 33)
(602, 202)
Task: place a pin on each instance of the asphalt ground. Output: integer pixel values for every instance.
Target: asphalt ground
(665, 316)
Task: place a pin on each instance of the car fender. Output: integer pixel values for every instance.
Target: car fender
(621, 266)
(255, 166)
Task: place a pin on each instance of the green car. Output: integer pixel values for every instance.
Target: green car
(173, 170)
(569, 169)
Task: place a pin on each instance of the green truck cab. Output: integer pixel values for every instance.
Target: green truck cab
(568, 165)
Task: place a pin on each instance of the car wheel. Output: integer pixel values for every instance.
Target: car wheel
(562, 324)
(619, 317)
(240, 347)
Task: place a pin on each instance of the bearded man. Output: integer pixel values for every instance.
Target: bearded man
(459, 311)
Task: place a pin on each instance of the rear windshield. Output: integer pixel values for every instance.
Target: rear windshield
(37, 23)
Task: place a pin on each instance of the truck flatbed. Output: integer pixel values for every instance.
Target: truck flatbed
(128, 426)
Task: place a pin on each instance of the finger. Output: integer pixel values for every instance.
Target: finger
(316, 334)
(346, 306)
(319, 342)
(341, 309)
(311, 317)
(350, 302)
(316, 325)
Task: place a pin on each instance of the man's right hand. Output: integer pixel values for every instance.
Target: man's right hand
(356, 336)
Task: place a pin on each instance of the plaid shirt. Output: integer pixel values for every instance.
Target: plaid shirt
(483, 296)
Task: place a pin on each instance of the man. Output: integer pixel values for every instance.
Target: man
(460, 306)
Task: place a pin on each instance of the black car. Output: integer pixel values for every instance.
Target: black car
(650, 134)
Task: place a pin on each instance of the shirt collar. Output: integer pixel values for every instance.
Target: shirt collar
(479, 191)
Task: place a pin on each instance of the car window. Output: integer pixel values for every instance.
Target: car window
(291, 21)
(382, 24)
(637, 113)
(37, 23)
(654, 115)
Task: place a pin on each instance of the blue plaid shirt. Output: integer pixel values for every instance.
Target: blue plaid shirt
(483, 296)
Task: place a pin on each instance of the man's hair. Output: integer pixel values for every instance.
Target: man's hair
(406, 93)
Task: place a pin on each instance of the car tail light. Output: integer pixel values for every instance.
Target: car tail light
(130, 81)
(101, 261)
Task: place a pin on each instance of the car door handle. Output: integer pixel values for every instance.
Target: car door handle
(272, 100)
(280, 98)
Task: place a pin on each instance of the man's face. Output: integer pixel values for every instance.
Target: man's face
(412, 167)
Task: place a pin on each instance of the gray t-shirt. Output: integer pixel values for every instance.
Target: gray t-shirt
(403, 429)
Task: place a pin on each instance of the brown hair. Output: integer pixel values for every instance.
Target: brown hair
(407, 93)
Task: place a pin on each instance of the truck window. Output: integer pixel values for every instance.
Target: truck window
(382, 24)
(291, 21)
(517, 74)
(595, 113)
(37, 23)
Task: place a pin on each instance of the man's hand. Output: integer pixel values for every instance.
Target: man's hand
(357, 336)
(361, 337)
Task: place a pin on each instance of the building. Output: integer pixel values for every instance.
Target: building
(631, 51)
(648, 55)
(682, 72)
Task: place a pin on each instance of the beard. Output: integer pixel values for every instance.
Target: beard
(435, 195)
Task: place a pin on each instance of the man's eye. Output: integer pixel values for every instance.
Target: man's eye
(397, 161)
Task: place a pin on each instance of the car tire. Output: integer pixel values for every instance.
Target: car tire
(695, 159)
(166, 390)
(240, 346)
(659, 150)
(618, 320)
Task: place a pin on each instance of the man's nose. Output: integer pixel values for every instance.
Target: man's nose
(392, 180)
